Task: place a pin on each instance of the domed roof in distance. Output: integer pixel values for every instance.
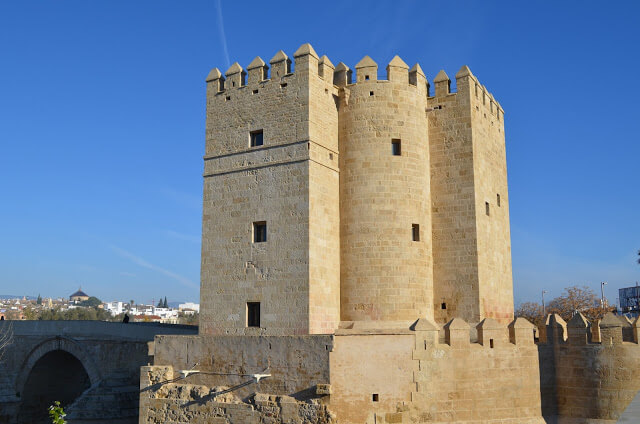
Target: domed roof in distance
(79, 293)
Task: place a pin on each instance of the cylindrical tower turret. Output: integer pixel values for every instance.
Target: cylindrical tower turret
(385, 212)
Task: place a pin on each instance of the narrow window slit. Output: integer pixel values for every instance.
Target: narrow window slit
(396, 147)
(256, 138)
(260, 232)
(253, 315)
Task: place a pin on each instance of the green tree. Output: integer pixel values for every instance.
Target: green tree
(92, 302)
(29, 313)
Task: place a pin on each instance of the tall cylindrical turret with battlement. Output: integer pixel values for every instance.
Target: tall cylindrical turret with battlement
(386, 270)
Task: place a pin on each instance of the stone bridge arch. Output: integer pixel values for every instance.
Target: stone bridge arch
(54, 344)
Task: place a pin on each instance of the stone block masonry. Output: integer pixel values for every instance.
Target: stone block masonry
(356, 250)
(375, 200)
(361, 374)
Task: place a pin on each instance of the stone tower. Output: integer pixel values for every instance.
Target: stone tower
(386, 269)
(327, 200)
(270, 232)
(469, 200)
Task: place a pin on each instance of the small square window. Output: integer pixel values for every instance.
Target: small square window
(375, 397)
(486, 208)
(371, 93)
(415, 232)
(443, 306)
(259, 232)
(396, 147)
(257, 138)
(498, 199)
(255, 91)
(253, 314)
(366, 77)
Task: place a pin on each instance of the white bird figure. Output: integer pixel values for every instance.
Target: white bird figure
(187, 373)
(259, 377)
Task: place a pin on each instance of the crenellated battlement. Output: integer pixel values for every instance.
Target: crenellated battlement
(579, 331)
(307, 62)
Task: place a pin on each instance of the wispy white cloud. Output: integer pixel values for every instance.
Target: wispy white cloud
(143, 263)
(182, 236)
(223, 38)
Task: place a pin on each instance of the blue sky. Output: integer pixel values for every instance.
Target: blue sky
(102, 128)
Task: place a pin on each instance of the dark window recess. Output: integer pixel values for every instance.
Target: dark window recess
(443, 306)
(259, 232)
(498, 199)
(283, 85)
(491, 343)
(257, 138)
(375, 397)
(227, 98)
(255, 91)
(396, 147)
(486, 208)
(415, 232)
(371, 93)
(253, 314)
(366, 77)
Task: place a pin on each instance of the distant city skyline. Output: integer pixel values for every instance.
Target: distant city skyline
(102, 127)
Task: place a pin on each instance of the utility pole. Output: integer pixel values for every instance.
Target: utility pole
(602, 284)
(544, 311)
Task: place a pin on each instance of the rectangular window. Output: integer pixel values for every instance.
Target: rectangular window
(486, 208)
(253, 314)
(256, 138)
(498, 200)
(259, 231)
(415, 232)
(396, 147)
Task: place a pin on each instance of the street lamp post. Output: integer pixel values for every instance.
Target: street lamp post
(544, 311)
(602, 284)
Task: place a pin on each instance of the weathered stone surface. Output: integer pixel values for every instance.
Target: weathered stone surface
(108, 354)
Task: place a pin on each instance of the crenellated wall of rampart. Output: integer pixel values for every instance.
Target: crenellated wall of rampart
(590, 372)
(365, 373)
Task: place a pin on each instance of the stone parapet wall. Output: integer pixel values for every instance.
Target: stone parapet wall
(362, 374)
(586, 381)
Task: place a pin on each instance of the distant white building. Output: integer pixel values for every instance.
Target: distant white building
(115, 308)
(188, 307)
